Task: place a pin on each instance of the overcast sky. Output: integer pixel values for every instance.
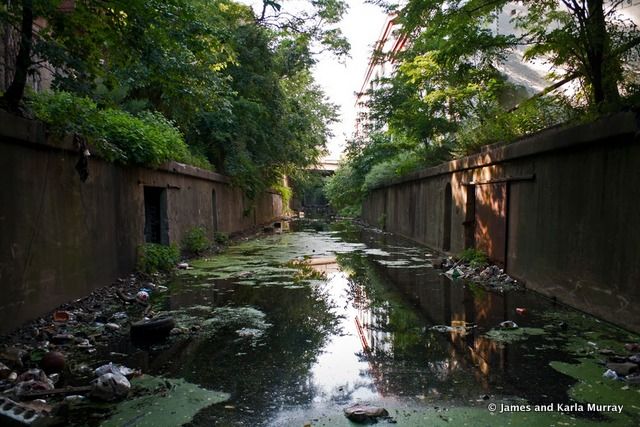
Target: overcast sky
(361, 26)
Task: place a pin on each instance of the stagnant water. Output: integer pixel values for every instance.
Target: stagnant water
(293, 344)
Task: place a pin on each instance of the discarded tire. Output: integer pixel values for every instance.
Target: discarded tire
(152, 328)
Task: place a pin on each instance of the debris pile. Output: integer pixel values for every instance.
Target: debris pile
(623, 367)
(459, 327)
(491, 276)
(45, 365)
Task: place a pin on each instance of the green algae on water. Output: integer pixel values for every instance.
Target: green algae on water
(162, 402)
(513, 335)
(591, 387)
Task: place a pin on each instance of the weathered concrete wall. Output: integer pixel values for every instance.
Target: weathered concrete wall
(558, 209)
(61, 238)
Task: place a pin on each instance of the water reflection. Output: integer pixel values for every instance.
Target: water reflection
(456, 365)
(360, 329)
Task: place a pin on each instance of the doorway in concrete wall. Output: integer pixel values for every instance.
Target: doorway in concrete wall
(156, 225)
(214, 210)
(491, 220)
(446, 226)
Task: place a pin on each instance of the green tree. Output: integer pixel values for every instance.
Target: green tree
(279, 118)
(167, 56)
(586, 38)
(238, 86)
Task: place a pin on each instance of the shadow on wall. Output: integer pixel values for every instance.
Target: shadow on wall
(480, 203)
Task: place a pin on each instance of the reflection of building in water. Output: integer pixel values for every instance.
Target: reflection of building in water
(448, 356)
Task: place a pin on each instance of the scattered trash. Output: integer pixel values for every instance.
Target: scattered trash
(142, 297)
(521, 311)
(62, 339)
(84, 343)
(121, 315)
(110, 387)
(33, 374)
(14, 413)
(26, 388)
(492, 276)
(4, 371)
(365, 413)
(111, 368)
(508, 324)
(13, 355)
(54, 378)
(112, 326)
(53, 361)
(632, 347)
(62, 316)
(454, 273)
(149, 329)
(75, 398)
(35, 393)
(184, 266)
(462, 328)
(610, 375)
(622, 369)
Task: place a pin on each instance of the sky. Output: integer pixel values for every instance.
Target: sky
(362, 26)
(340, 81)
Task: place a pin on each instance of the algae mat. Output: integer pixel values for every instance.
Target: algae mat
(164, 403)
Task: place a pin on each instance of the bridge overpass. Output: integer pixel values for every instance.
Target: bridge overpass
(325, 166)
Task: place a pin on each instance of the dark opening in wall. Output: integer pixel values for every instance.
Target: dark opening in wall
(156, 225)
(446, 228)
(214, 210)
(470, 218)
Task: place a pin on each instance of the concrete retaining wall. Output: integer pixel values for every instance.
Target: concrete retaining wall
(559, 210)
(61, 238)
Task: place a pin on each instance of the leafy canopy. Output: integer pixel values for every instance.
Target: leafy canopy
(234, 86)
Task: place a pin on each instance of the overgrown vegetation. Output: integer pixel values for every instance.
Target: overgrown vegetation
(450, 93)
(221, 238)
(474, 257)
(154, 258)
(195, 241)
(201, 82)
(146, 138)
